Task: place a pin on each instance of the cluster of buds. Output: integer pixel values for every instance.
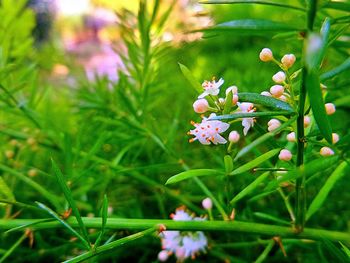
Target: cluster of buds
(210, 130)
(281, 89)
(183, 244)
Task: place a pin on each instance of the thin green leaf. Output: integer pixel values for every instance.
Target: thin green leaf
(332, 73)
(250, 188)
(337, 5)
(254, 163)
(228, 163)
(345, 249)
(64, 223)
(228, 105)
(265, 101)
(191, 79)
(318, 105)
(193, 173)
(271, 218)
(31, 224)
(252, 114)
(263, 138)
(324, 191)
(12, 248)
(5, 191)
(104, 220)
(251, 27)
(67, 193)
(258, 2)
(307, 169)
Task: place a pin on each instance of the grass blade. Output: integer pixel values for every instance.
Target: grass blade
(252, 114)
(67, 193)
(191, 79)
(104, 220)
(250, 188)
(327, 187)
(12, 248)
(64, 223)
(193, 173)
(332, 73)
(257, 2)
(254, 163)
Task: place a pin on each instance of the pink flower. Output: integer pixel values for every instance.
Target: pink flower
(211, 88)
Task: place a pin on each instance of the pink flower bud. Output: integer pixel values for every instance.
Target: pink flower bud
(288, 60)
(222, 101)
(201, 105)
(234, 90)
(335, 138)
(266, 93)
(330, 108)
(207, 203)
(279, 77)
(326, 151)
(307, 121)
(273, 124)
(283, 98)
(234, 99)
(285, 155)
(291, 137)
(277, 90)
(163, 256)
(234, 136)
(266, 55)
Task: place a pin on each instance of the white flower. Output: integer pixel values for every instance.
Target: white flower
(182, 244)
(285, 155)
(211, 88)
(288, 60)
(246, 122)
(266, 93)
(335, 138)
(200, 106)
(273, 124)
(279, 77)
(330, 108)
(266, 55)
(326, 151)
(207, 203)
(233, 136)
(209, 131)
(277, 90)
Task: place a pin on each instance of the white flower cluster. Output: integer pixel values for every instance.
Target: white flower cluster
(182, 244)
(208, 131)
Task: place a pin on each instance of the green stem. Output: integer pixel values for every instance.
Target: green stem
(300, 205)
(12, 248)
(266, 252)
(228, 226)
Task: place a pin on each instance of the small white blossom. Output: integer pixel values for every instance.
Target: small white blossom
(211, 88)
(273, 124)
(335, 138)
(163, 255)
(266, 55)
(291, 137)
(246, 122)
(330, 108)
(326, 151)
(285, 155)
(279, 77)
(277, 90)
(233, 136)
(200, 106)
(207, 203)
(288, 60)
(209, 131)
(266, 93)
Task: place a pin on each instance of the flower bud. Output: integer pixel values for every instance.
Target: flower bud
(207, 203)
(273, 124)
(283, 98)
(9, 154)
(163, 256)
(234, 99)
(266, 55)
(285, 155)
(291, 137)
(288, 60)
(335, 138)
(266, 93)
(234, 90)
(326, 151)
(234, 136)
(330, 108)
(32, 172)
(307, 121)
(277, 90)
(200, 106)
(222, 101)
(279, 77)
